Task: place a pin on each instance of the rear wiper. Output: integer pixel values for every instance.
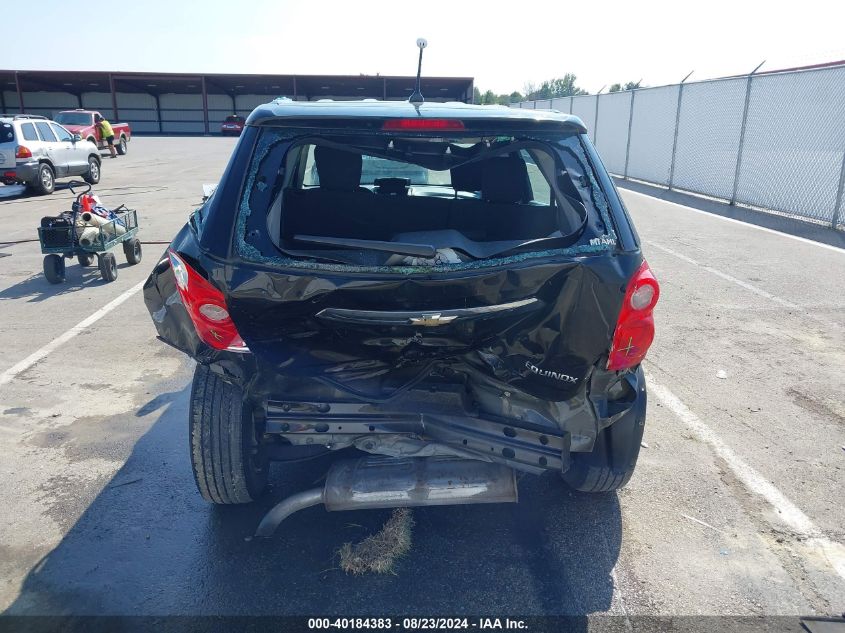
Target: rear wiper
(417, 250)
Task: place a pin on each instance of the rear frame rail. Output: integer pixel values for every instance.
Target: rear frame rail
(502, 441)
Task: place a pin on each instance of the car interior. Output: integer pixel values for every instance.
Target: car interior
(484, 200)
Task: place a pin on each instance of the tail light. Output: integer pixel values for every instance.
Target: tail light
(23, 152)
(207, 308)
(635, 327)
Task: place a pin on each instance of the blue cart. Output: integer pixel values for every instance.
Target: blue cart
(62, 239)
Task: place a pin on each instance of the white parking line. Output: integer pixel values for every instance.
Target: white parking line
(735, 221)
(727, 277)
(787, 511)
(29, 361)
(745, 285)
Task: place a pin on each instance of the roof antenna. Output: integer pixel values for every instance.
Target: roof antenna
(416, 97)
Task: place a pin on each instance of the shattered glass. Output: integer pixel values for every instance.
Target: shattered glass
(271, 136)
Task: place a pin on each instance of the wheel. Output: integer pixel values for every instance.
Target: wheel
(45, 180)
(132, 250)
(108, 266)
(92, 177)
(122, 147)
(85, 259)
(612, 461)
(229, 464)
(54, 268)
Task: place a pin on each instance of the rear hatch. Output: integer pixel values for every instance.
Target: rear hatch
(538, 327)
(485, 248)
(8, 145)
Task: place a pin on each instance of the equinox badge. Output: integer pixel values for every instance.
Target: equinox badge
(550, 374)
(432, 320)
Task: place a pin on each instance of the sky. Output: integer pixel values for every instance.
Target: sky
(502, 44)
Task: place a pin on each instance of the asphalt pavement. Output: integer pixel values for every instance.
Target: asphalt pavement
(736, 507)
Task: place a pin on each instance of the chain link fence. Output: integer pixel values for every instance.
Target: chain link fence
(773, 141)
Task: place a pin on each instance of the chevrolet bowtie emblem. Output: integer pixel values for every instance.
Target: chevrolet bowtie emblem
(432, 320)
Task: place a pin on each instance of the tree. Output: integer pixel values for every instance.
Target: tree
(548, 89)
(552, 88)
(491, 98)
(564, 87)
(631, 85)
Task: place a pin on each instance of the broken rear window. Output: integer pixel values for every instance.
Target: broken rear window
(393, 200)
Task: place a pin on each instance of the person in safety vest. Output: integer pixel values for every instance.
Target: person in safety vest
(106, 133)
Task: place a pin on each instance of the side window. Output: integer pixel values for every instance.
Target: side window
(61, 133)
(539, 185)
(45, 132)
(310, 178)
(28, 131)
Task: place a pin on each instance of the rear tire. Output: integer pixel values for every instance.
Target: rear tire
(228, 462)
(132, 250)
(54, 268)
(108, 267)
(45, 180)
(85, 259)
(612, 461)
(122, 147)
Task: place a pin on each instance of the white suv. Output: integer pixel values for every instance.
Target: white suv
(35, 151)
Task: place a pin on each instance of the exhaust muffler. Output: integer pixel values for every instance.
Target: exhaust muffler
(395, 482)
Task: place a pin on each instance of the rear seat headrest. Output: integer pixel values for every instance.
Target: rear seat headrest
(466, 177)
(503, 179)
(338, 170)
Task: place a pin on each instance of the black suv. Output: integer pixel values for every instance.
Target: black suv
(490, 313)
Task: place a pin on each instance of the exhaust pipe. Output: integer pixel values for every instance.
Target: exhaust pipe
(377, 481)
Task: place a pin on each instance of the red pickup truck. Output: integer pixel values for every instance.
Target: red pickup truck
(82, 122)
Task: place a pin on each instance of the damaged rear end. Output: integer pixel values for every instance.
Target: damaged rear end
(453, 283)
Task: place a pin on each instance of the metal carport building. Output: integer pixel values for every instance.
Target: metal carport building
(176, 103)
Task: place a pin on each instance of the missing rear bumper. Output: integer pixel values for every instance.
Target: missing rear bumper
(340, 425)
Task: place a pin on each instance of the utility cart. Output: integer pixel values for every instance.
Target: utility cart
(67, 236)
